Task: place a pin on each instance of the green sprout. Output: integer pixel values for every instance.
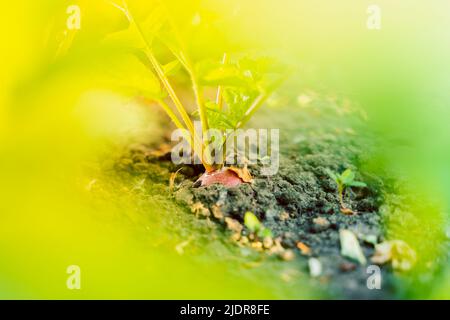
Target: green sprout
(255, 226)
(345, 180)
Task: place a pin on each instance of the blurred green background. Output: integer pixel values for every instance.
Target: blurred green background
(61, 125)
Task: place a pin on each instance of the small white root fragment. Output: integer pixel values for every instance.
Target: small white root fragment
(315, 267)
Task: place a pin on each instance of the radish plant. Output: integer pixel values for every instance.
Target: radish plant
(242, 84)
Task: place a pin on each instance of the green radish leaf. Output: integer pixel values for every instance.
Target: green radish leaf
(238, 101)
(332, 175)
(258, 68)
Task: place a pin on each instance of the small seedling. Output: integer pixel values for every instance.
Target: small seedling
(345, 180)
(255, 226)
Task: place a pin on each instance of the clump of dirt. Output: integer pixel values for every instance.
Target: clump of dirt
(300, 203)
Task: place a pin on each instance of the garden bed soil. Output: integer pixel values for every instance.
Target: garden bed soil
(300, 203)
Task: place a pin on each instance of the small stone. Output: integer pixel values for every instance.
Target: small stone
(321, 224)
(398, 252)
(276, 248)
(257, 245)
(370, 238)
(244, 240)
(217, 213)
(350, 247)
(271, 213)
(222, 198)
(348, 211)
(288, 235)
(315, 267)
(284, 216)
(287, 255)
(268, 242)
(233, 225)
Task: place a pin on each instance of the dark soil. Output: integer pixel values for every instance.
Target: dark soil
(288, 202)
(303, 191)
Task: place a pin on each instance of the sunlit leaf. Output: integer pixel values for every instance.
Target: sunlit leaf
(213, 73)
(357, 184)
(347, 176)
(172, 67)
(127, 74)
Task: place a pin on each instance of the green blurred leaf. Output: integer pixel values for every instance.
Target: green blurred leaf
(357, 184)
(347, 176)
(217, 119)
(150, 25)
(238, 101)
(127, 74)
(172, 67)
(332, 174)
(258, 68)
(350, 247)
(265, 233)
(214, 73)
(255, 226)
